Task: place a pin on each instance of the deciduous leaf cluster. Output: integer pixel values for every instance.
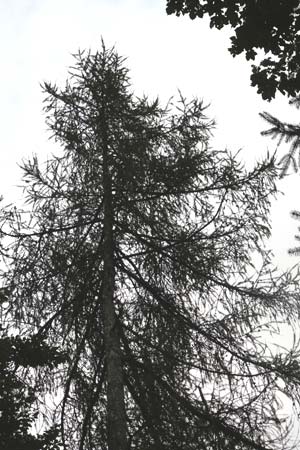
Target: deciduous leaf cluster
(270, 26)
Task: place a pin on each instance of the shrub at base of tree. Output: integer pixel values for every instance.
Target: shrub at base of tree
(18, 410)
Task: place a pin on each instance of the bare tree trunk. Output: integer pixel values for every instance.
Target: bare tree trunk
(116, 415)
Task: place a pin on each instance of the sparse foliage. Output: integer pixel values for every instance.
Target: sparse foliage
(135, 257)
(285, 133)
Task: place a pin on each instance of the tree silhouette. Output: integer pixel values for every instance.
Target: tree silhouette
(266, 25)
(135, 258)
(18, 410)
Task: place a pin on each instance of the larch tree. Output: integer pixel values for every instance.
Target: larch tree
(268, 27)
(134, 255)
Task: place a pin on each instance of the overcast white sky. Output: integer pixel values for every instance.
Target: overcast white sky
(164, 53)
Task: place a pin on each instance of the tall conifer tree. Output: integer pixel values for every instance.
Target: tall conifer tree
(137, 260)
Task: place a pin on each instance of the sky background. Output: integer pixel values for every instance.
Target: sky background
(164, 54)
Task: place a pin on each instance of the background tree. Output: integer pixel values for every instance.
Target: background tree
(135, 257)
(288, 133)
(295, 250)
(268, 25)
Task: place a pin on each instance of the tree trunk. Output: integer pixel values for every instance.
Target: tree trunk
(116, 416)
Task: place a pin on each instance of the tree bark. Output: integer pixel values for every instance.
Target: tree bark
(116, 415)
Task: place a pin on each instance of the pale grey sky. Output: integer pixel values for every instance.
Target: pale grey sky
(164, 53)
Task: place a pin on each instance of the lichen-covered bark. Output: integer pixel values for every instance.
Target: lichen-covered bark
(116, 416)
